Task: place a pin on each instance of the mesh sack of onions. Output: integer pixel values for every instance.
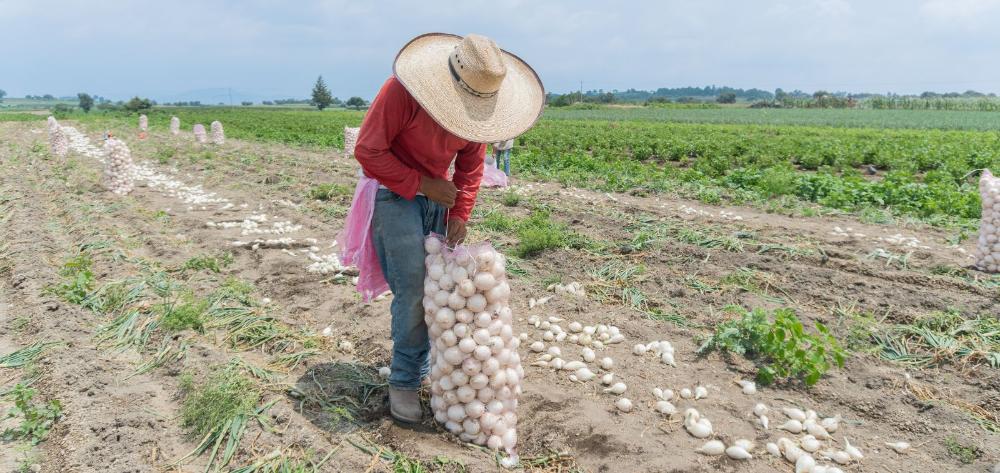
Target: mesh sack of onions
(350, 139)
(175, 125)
(118, 167)
(475, 368)
(199, 133)
(218, 136)
(988, 247)
(143, 122)
(52, 123)
(58, 141)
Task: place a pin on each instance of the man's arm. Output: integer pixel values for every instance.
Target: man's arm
(386, 118)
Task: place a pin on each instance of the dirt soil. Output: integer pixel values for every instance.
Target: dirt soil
(50, 207)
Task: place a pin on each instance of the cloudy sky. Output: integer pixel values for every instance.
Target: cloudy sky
(191, 50)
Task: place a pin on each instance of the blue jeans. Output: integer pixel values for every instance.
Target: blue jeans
(503, 156)
(398, 230)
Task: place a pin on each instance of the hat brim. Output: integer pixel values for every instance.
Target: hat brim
(422, 67)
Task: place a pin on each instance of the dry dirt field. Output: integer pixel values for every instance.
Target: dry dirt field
(123, 414)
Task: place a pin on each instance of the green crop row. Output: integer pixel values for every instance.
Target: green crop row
(918, 172)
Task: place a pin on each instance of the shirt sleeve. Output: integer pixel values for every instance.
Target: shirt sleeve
(387, 117)
(468, 175)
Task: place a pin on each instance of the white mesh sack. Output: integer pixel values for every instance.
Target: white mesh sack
(117, 167)
(143, 122)
(476, 371)
(52, 123)
(218, 136)
(58, 141)
(350, 139)
(199, 133)
(988, 246)
(175, 125)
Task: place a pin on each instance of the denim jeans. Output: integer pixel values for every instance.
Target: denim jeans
(398, 230)
(503, 160)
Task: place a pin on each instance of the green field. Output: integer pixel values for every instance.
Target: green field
(846, 118)
(768, 158)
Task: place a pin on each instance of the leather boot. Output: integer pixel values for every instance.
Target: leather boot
(405, 405)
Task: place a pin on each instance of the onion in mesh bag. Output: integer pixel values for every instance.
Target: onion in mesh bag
(350, 139)
(117, 167)
(476, 370)
(199, 133)
(988, 245)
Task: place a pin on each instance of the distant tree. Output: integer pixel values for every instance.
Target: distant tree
(246, 104)
(726, 97)
(48, 97)
(136, 104)
(267, 102)
(780, 94)
(61, 110)
(3, 93)
(86, 102)
(321, 97)
(356, 102)
(820, 94)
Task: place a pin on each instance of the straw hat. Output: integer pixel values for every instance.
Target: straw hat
(471, 87)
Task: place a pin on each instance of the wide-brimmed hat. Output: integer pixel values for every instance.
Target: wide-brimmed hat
(471, 87)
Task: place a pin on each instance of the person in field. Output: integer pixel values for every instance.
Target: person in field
(448, 96)
(501, 155)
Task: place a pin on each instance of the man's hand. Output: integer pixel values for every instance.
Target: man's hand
(439, 190)
(456, 231)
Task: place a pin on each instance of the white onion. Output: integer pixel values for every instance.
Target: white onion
(470, 326)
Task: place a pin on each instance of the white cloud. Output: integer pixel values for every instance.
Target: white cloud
(963, 11)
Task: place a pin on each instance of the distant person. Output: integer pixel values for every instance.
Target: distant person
(501, 155)
(447, 98)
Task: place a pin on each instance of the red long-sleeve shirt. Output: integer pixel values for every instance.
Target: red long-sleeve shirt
(399, 142)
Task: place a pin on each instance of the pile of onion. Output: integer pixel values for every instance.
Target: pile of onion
(476, 371)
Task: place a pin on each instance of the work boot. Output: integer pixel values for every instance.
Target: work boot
(405, 405)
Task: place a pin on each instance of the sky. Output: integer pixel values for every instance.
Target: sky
(261, 49)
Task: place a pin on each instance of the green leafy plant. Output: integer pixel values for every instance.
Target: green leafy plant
(781, 348)
(37, 420)
(510, 199)
(963, 453)
(208, 262)
(327, 192)
(186, 312)
(78, 279)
